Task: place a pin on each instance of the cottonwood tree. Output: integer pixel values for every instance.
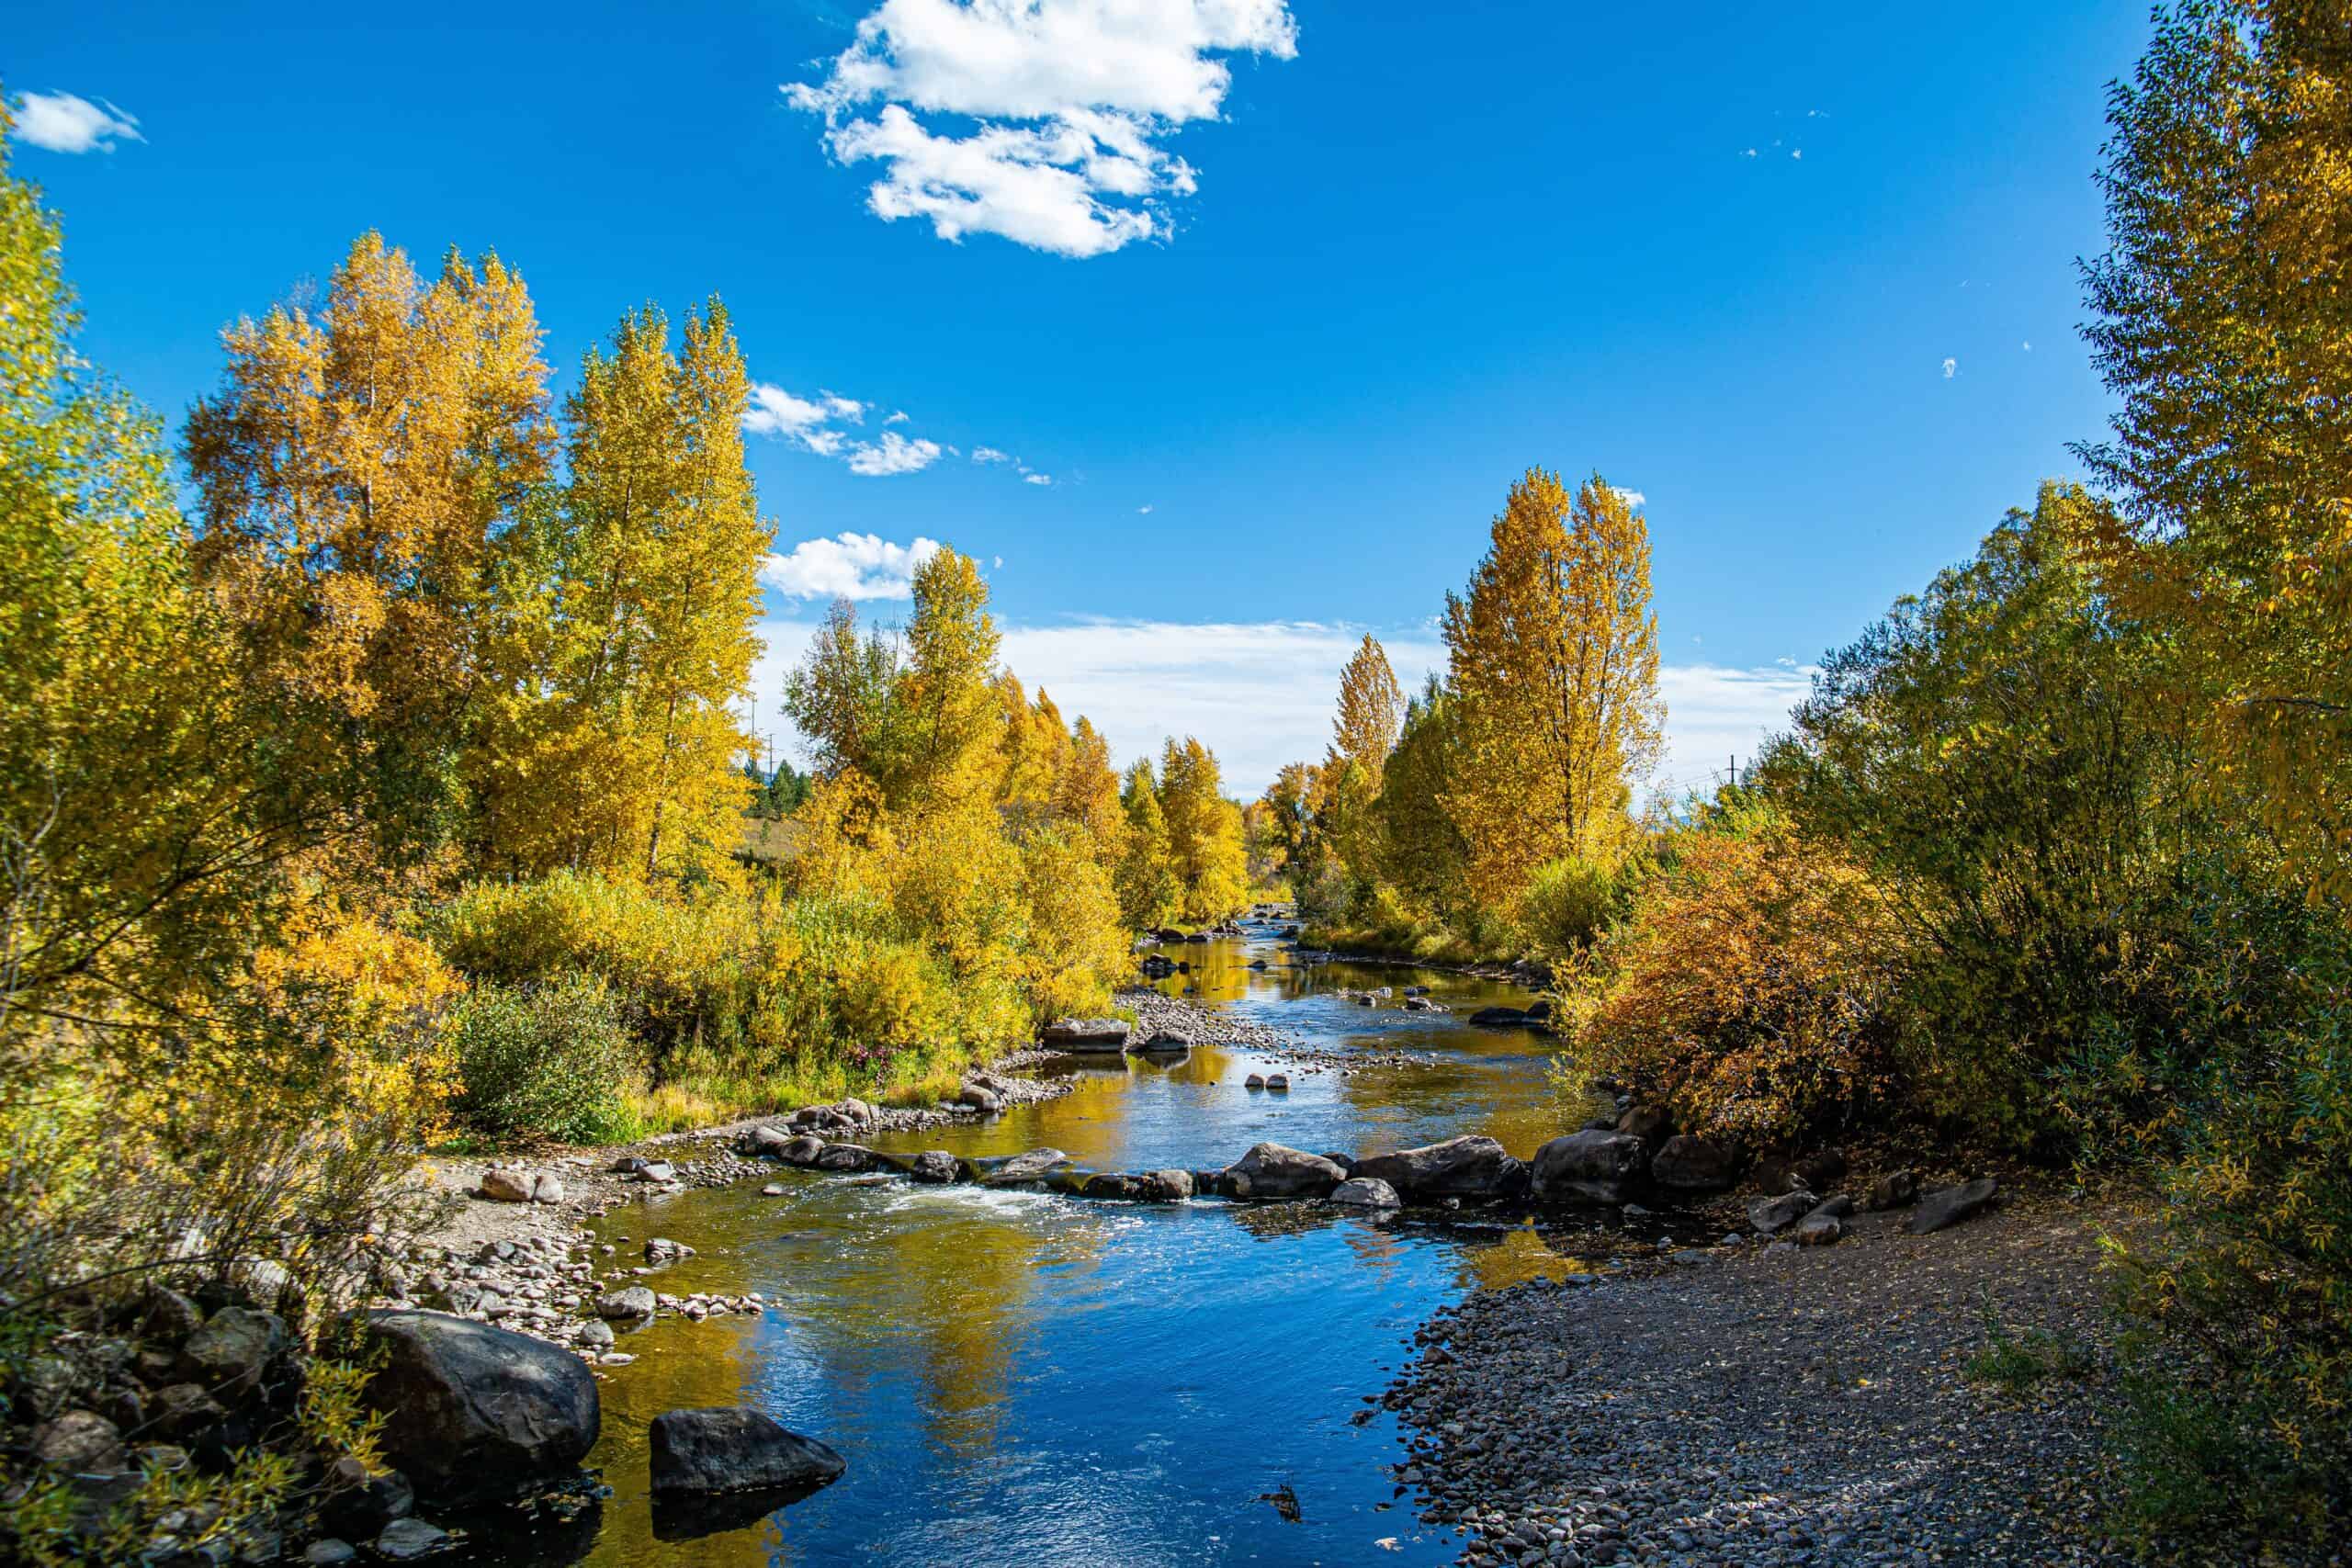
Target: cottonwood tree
(1554, 664)
(353, 474)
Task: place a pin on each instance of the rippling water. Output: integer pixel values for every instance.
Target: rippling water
(1023, 1379)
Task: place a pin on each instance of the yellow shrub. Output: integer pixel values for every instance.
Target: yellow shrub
(1752, 988)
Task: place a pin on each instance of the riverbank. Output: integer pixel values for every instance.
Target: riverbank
(535, 1267)
(1893, 1399)
(1446, 956)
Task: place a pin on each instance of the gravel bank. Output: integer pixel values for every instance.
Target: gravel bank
(1777, 1405)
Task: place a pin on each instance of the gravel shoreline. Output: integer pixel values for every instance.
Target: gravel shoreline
(1781, 1405)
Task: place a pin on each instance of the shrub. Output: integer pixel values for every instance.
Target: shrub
(1568, 902)
(551, 1061)
(1752, 988)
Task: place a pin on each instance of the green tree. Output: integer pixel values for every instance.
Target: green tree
(2223, 325)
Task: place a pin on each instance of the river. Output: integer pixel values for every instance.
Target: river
(1020, 1378)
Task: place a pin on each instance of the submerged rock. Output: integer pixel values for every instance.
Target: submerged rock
(1029, 1167)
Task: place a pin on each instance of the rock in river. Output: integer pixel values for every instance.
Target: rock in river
(935, 1166)
(474, 1414)
(1468, 1167)
(1270, 1170)
(734, 1450)
(1500, 1017)
(1599, 1168)
(1030, 1167)
(1084, 1035)
(1365, 1192)
(626, 1305)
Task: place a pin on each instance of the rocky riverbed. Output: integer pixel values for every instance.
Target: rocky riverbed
(1782, 1406)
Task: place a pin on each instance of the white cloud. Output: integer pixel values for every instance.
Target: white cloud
(990, 455)
(1750, 153)
(848, 565)
(1951, 368)
(774, 411)
(1633, 498)
(1261, 693)
(898, 418)
(1796, 153)
(2029, 345)
(1069, 101)
(1143, 510)
(894, 453)
(1037, 479)
(61, 122)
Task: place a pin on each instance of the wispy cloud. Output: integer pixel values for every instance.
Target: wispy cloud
(1635, 500)
(1055, 110)
(848, 565)
(1037, 479)
(990, 455)
(62, 122)
(894, 453)
(1951, 368)
(1261, 693)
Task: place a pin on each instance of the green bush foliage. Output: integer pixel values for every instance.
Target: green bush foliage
(549, 1061)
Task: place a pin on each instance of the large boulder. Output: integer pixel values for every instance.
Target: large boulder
(802, 1149)
(1084, 1035)
(1468, 1167)
(1272, 1170)
(1951, 1205)
(630, 1304)
(507, 1186)
(477, 1414)
(734, 1450)
(79, 1442)
(1686, 1163)
(844, 1156)
(1599, 1167)
(1500, 1017)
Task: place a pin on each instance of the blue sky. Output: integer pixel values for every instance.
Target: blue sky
(1313, 282)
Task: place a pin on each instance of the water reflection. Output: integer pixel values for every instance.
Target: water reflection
(1017, 1377)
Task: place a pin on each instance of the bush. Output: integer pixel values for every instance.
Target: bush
(1568, 902)
(1752, 989)
(555, 1061)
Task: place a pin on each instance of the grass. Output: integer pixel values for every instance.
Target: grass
(711, 1098)
(1407, 944)
(2016, 1362)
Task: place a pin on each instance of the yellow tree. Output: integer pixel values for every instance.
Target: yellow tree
(1204, 844)
(2226, 328)
(1086, 790)
(1553, 670)
(623, 739)
(1149, 894)
(1372, 710)
(946, 719)
(352, 474)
